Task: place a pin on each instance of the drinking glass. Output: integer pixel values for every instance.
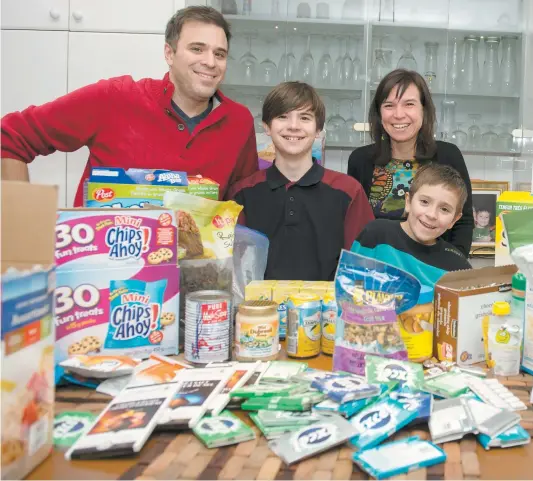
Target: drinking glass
(474, 132)
(454, 66)
(248, 64)
(347, 64)
(231, 70)
(459, 136)
(509, 82)
(379, 68)
(431, 67)
(491, 66)
(350, 135)
(447, 124)
(306, 67)
(357, 66)
(267, 69)
(489, 140)
(470, 64)
(407, 60)
(258, 119)
(506, 140)
(335, 125)
(325, 67)
(287, 66)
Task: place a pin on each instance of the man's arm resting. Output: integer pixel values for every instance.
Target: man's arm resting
(14, 169)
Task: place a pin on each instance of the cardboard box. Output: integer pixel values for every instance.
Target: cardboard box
(133, 188)
(508, 202)
(27, 380)
(117, 283)
(462, 300)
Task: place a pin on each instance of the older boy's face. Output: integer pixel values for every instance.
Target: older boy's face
(432, 211)
(293, 133)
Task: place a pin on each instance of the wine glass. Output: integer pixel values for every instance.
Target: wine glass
(459, 136)
(325, 66)
(231, 70)
(287, 66)
(407, 61)
(350, 135)
(489, 140)
(379, 68)
(506, 139)
(248, 64)
(306, 67)
(343, 64)
(357, 66)
(474, 132)
(335, 126)
(267, 69)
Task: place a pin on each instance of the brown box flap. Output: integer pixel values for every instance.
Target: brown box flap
(28, 220)
(477, 278)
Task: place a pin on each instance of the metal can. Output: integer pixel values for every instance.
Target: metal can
(329, 321)
(208, 333)
(303, 325)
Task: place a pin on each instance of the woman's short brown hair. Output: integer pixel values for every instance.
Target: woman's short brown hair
(425, 142)
(194, 14)
(288, 96)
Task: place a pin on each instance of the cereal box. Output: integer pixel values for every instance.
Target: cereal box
(27, 355)
(133, 188)
(117, 283)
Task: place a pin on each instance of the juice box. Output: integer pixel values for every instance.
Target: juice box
(259, 290)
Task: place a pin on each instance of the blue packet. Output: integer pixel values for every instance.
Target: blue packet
(135, 313)
(412, 400)
(515, 436)
(378, 421)
(342, 388)
(399, 457)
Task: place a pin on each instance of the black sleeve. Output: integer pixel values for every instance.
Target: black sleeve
(360, 167)
(460, 235)
(373, 234)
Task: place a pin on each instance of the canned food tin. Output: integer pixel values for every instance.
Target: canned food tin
(303, 325)
(329, 320)
(208, 326)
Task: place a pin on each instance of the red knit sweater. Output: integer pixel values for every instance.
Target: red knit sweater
(127, 124)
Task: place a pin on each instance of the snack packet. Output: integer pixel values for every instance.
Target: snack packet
(206, 230)
(382, 370)
(287, 418)
(449, 384)
(369, 296)
(343, 388)
(267, 390)
(515, 436)
(102, 367)
(69, 426)
(491, 420)
(273, 432)
(450, 420)
(222, 430)
(300, 402)
(412, 400)
(282, 371)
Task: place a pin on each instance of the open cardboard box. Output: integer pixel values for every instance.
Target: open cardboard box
(463, 299)
(28, 220)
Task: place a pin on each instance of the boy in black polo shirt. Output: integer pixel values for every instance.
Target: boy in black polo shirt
(308, 213)
(433, 205)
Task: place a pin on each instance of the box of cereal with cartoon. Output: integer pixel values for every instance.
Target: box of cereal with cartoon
(117, 283)
(27, 355)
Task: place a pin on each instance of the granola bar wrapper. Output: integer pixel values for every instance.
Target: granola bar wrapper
(206, 231)
(370, 295)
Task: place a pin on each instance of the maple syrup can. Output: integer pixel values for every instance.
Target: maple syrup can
(208, 327)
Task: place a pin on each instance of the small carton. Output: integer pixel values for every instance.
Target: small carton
(133, 188)
(259, 290)
(27, 356)
(508, 202)
(117, 283)
(462, 300)
(316, 288)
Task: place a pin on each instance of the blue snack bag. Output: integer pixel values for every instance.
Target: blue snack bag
(135, 313)
(412, 400)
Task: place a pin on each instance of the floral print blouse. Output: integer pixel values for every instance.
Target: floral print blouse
(390, 183)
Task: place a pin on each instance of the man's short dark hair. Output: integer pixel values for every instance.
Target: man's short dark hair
(434, 173)
(288, 96)
(194, 14)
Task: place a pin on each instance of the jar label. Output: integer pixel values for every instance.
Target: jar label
(257, 340)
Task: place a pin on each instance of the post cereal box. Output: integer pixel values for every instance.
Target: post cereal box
(27, 355)
(117, 283)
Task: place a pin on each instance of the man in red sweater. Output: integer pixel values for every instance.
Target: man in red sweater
(182, 122)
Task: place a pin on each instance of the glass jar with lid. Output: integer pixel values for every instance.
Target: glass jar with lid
(257, 331)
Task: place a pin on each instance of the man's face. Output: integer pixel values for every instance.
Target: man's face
(432, 211)
(198, 65)
(293, 133)
(482, 218)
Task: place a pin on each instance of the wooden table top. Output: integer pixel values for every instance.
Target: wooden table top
(182, 456)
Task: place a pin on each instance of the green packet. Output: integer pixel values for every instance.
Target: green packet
(287, 418)
(222, 430)
(282, 371)
(268, 390)
(272, 432)
(447, 385)
(293, 403)
(380, 370)
(70, 425)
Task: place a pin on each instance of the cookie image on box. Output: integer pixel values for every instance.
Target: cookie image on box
(75, 349)
(167, 318)
(165, 253)
(91, 344)
(155, 258)
(189, 235)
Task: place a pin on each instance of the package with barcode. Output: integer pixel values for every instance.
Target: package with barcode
(450, 420)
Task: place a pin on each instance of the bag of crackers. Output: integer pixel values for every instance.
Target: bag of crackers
(370, 295)
(206, 231)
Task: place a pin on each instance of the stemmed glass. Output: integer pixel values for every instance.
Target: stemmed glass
(379, 68)
(335, 126)
(489, 140)
(268, 69)
(506, 139)
(306, 67)
(407, 61)
(459, 136)
(287, 65)
(325, 66)
(474, 132)
(350, 135)
(248, 64)
(343, 64)
(231, 70)
(357, 67)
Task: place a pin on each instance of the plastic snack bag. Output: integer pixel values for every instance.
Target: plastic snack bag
(370, 294)
(206, 231)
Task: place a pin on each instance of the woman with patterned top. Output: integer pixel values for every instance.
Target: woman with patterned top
(402, 121)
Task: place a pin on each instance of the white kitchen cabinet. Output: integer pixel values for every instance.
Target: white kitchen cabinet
(128, 16)
(33, 80)
(35, 14)
(95, 56)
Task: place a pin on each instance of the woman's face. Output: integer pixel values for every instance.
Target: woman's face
(402, 117)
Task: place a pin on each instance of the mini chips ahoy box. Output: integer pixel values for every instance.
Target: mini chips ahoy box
(117, 283)
(113, 187)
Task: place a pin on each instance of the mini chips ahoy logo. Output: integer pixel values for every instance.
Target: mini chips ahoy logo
(316, 436)
(375, 419)
(170, 177)
(135, 317)
(127, 239)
